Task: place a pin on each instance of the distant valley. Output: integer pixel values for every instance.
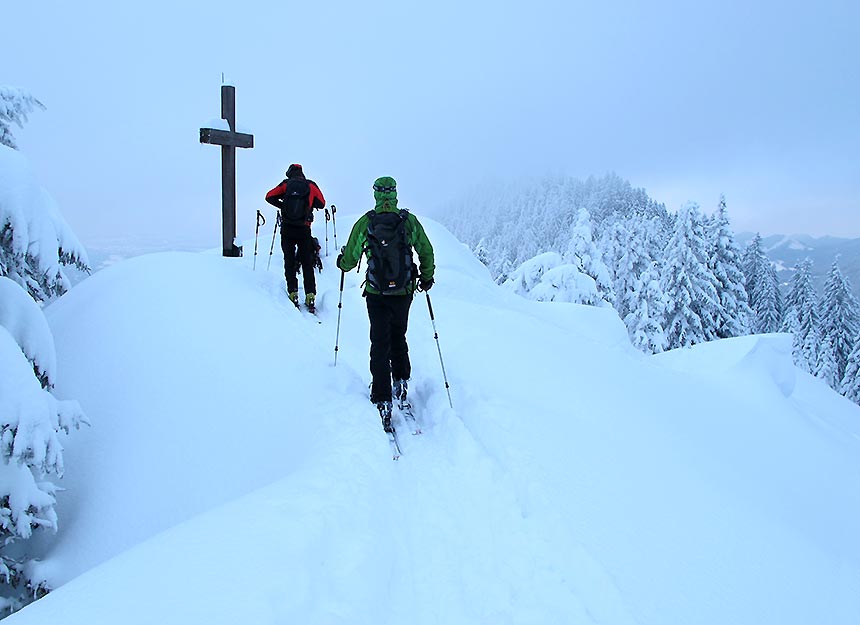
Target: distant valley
(785, 251)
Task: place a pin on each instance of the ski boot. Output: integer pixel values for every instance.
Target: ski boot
(400, 388)
(384, 408)
(294, 298)
(310, 302)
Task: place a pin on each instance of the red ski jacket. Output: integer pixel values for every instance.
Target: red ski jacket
(275, 197)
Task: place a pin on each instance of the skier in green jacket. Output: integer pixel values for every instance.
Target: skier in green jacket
(388, 235)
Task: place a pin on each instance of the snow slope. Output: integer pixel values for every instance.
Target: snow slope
(232, 474)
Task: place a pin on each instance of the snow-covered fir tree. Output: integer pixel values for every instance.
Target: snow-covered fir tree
(689, 286)
(583, 253)
(15, 105)
(644, 320)
(769, 300)
(851, 378)
(481, 252)
(724, 261)
(34, 244)
(548, 278)
(840, 323)
(35, 241)
(826, 366)
(801, 317)
(753, 264)
(762, 287)
(30, 423)
(631, 247)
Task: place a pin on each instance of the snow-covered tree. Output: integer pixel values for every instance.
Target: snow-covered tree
(630, 245)
(801, 317)
(583, 253)
(826, 366)
(724, 261)
(15, 105)
(30, 422)
(35, 242)
(481, 253)
(689, 286)
(851, 379)
(762, 287)
(769, 301)
(840, 322)
(644, 320)
(548, 278)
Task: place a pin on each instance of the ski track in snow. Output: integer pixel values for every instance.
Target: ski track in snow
(460, 532)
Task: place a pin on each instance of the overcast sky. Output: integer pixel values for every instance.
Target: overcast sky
(757, 100)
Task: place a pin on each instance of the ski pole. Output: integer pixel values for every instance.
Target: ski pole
(327, 219)
(334, 224)
(339, 306)
(438, 348)
(256, 236)
(274, 232)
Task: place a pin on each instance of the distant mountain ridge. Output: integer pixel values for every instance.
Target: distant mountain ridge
(787, 250)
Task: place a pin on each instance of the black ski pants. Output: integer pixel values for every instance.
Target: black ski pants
(291, 238)
(389, 354)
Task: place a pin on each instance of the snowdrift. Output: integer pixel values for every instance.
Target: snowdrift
(232, 474)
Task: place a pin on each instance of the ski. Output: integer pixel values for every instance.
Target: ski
(394, 444)
(307, 314)
(401, 401)
(388, 427)
(409, 417)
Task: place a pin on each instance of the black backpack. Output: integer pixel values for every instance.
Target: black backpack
(317, 260)
(294, 207)
(389, 267)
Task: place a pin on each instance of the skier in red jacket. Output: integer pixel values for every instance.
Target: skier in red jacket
(296, 198)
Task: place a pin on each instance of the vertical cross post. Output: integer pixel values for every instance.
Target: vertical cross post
(228, 173)
(229, 141)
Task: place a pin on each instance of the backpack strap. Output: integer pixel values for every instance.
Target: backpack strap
(404, 216)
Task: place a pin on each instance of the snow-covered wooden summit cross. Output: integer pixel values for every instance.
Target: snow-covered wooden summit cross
(229, 140)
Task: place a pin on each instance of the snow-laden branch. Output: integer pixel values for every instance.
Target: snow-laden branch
(24, 320)
(35, 241)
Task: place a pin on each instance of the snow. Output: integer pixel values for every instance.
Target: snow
(37, 228)
(233, 474)
(24, 404)
(217, 123)
(547, 278)
(23, 319)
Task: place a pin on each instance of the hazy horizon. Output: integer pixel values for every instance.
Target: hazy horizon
(688, 102)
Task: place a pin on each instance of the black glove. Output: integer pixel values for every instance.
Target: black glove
(337, 262)
(425, 285)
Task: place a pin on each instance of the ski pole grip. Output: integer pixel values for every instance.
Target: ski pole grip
(430, 306)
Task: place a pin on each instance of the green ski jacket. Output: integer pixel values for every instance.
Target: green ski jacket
(415, 235)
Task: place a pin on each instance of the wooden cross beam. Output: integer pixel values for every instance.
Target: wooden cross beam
(229, 141)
